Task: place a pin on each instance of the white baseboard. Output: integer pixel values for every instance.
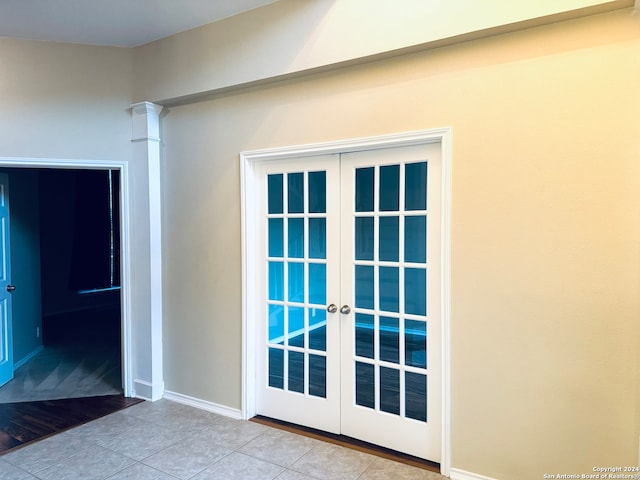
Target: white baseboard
(457, 474)
(28, 357)
(203, 405)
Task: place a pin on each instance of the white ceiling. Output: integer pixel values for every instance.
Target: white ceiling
(121, 23)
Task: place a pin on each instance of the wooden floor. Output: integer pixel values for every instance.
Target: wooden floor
(26, 422)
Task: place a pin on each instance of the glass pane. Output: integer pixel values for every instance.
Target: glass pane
(364, 335)
(296, 371)
(295, 192)
(296, 282)
(274, 193)
(415, 239)
(390, 390)
(364, 238)
(415, 291)
(364, 189)
(415, 186)
(317, 238)
(317, 192)
(276, 234)
(276, 368)
(295, 335)
(415, 343)
(389, 289)
(365, 385)
(318, 376)
(318, 329)
(276, 281)
(364, 286)
(390, 339)
(276, 324)
(390, 188)
(389, 241)
(295, 237)
(318, 283)
(415, 391)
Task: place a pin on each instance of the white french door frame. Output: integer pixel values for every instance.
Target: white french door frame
(248, 162)
(125, 295)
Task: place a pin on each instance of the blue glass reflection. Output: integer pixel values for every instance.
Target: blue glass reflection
(390, 390)
(389, 239)
(296, 282)
(389, 338)
(296, 372)
(318, 329)
(318, 376)
(295, 236)
(415, 192)
(318, 283)
(364, 335)
(390, 188)
(364, 238)
(364, 286)
(276, 234)
(365, 385)
(415, 291)
(295, 192)
(390, 289)
(415, 341)
(276, 368)
(317, 238)
(415, 239)
(295, 336)
(415, 387)
(317, 192)
(364, 189)
(276, 281)
(274, 193)
(276, 324)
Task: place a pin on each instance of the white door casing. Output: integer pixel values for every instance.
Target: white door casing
(252, 162)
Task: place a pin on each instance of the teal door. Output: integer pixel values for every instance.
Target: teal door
(6, 339)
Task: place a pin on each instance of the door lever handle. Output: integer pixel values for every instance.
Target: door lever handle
(11, 288)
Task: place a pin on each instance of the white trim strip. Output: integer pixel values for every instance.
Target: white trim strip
(203, 405)
(456, 474)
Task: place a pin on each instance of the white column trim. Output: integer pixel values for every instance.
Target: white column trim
(146, 139)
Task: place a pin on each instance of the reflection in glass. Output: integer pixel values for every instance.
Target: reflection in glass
(415, 385)
(390, 188)
(295, 238)
(415, 343)
(296, 282)
(317, 238)
(276, 234)
(389, 289)
(390, 390)
(364, 335)
(295, 192)
(276, 368)
(276, 281)
(365, 385)
(295, 335)
(364, 189)
(274, 189)
(276, 324)
(390, 339)
(364, 238)
(318, 329)
(389, 241)
(364, 286)
(415, 239)
(296, 371)
(318, 376)
(415, 193)
(317, 192)
(318, 283)
(415, 291)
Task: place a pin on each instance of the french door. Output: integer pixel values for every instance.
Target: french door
(348, 294)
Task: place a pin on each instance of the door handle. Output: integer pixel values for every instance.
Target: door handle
(11, 288)
(332, 308)
(345, 309)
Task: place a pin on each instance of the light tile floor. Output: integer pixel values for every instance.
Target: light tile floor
(168, 441)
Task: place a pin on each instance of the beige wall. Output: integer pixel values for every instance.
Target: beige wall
(545, 234)
(293, 36)
(64, 101)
